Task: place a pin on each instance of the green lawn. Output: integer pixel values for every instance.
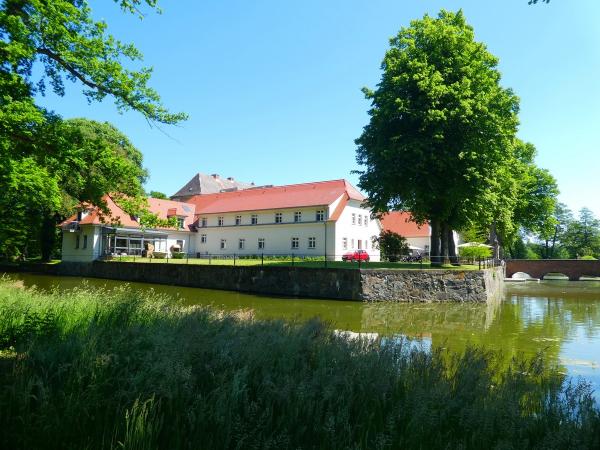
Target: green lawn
(296, 263)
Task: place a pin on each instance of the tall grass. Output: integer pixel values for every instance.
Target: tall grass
(96, 370)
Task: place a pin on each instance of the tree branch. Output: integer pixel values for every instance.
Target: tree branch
(89, 83)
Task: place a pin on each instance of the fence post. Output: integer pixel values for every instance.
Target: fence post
(292, 259)
(234, 259)
(326, 260)
(209, 259)
(262, 259)
(359, 258)
(187, 258)
(479, 259)
(167, 258)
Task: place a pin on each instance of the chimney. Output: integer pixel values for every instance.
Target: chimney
(215, 175)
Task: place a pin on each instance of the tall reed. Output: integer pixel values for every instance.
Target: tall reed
(93, 369)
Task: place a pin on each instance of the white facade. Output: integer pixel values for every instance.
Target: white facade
(305, 232)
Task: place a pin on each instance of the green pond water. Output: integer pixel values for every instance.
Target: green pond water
(560, 319)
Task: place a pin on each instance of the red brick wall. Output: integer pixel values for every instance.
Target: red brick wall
(573, 268)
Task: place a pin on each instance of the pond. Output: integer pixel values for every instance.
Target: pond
(560, 319)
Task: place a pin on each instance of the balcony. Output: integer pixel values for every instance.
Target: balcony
(71, 227)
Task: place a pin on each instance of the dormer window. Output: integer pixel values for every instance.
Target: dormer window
(180, 222)
(320, 215)
(204, 222)
(298, 216)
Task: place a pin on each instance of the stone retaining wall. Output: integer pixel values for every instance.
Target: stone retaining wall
(341, 284)
(432, 285)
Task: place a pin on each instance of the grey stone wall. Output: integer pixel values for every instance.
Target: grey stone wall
(431, 285)
(341, 284)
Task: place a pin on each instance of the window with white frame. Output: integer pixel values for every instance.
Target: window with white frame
(254, 219)
(298, 216)
(238, 220)
(320, 215)
(295, 243)
(220, 221)
(360, 219)
(312, 242)
(261, 243)
(204, 222)
(352, 244)
(345, 243)
(366, 244)
(223, 244)
(278, 217)
(360, 244)
(203, 239)
(366, 221)
(242, 244)
(353, 219)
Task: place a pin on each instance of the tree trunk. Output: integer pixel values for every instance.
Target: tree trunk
(47, 236)
(452, 248)
(494, 242)
(444, 242)
(434, 250)
(554, 241)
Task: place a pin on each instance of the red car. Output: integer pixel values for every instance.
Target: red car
(357, 255)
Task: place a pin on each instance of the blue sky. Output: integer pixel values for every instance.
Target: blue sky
(273, 87)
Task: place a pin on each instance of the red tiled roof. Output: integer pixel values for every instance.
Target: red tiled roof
(117, 215)
(321, 193)
(402, 223)
(167, 208)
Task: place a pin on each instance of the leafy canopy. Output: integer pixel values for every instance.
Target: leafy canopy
(441, 125)
(71, 45)
(48, 166)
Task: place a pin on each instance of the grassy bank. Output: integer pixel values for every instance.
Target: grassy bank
(91, 370)
(298, 262)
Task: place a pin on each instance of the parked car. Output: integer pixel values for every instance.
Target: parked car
(357, 255)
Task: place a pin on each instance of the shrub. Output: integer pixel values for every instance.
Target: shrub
(392, 245)
(475, 252)
(588, 258)
(178, 255)
(159, 255)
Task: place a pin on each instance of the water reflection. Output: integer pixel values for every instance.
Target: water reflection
(560, 319)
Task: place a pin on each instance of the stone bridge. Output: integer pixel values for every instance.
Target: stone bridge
(538, 268)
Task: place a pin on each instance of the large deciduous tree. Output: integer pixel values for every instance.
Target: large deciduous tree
(582, 236)
(441, 127)
(46, 165)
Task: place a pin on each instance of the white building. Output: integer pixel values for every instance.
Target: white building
(310, 219)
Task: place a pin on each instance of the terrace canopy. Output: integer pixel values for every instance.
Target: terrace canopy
(131, 241)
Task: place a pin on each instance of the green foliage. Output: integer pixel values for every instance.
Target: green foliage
(476, 252)
(441, 127)
(588, 258)
(582, 236)
(76, 160)
(392, 245)
(115, 369)
(157, 194)
(71, 45)
(178, 255)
